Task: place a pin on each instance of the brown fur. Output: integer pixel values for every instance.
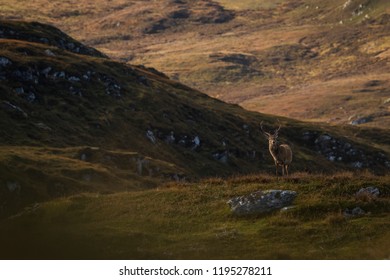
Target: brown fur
(281, 153)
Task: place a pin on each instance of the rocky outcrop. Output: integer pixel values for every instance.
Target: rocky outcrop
(340, 150)
(261, 202)
(44, 34)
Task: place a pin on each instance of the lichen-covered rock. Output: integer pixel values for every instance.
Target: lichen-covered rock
(261, 202)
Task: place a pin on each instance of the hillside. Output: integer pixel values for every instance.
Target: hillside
(75, 121)
(311, 60)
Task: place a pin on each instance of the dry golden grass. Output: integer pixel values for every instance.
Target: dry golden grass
(314, 89)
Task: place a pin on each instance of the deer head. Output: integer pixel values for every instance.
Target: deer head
(272, 137)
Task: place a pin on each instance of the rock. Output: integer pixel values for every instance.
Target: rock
(170, 139)
(112, 87)
(357, 164)
(261, 202)
(46, 71)
(60, 75)
(150, 136)
(355, 212)
(323, 138)
(25, 75)
(49, 53)
(4, 61)
(222, 157)
(184, 141)
(19, 90)
(370, 192)
(31, 97)
(347, 4)
(73, 79)
(287, 208)
(196, 142)
(361, 121)
(13, 187)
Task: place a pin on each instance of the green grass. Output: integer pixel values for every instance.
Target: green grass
(193, 221)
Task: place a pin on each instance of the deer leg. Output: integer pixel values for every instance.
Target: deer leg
(286, 169)
(283, 170)
(276, 168)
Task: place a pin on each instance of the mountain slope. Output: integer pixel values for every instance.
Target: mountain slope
(259, 54)
(73, 122)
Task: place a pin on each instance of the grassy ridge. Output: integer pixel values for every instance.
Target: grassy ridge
(192, 221)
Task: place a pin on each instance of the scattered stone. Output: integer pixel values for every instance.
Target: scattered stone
(336, 149)
(49, 53)
(184, 141)
(60, 75)
(369, 193)
(112, 86)
(83, 157)
(31, 97)
(196, 142)
(170, 139)
(75, 91)
(361, 121)
(25, 75)
(13, 187)
(357, 164)
(19, 90)
(73, 79)
(355, 212)
(150, 136)
(222, 156)
(287, 208)
(4, 61)
(347, 4)
(261, 202)
(46, 71)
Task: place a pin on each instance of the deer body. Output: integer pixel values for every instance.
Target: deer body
(281, 153)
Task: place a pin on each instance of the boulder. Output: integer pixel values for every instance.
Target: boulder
(355, 212)
(367, 194)
(261, 202)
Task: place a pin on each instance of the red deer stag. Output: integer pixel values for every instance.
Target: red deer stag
(281, 153)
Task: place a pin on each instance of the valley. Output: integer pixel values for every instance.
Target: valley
(126, 126)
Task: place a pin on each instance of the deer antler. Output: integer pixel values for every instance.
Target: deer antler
(262, 130)
(277, 130)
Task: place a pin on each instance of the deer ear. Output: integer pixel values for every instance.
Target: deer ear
(266, 134)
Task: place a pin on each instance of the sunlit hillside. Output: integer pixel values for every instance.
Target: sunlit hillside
(268, 56)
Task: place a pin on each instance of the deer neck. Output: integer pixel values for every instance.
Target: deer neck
(274, 150)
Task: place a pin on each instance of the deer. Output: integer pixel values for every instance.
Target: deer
(281, 153)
